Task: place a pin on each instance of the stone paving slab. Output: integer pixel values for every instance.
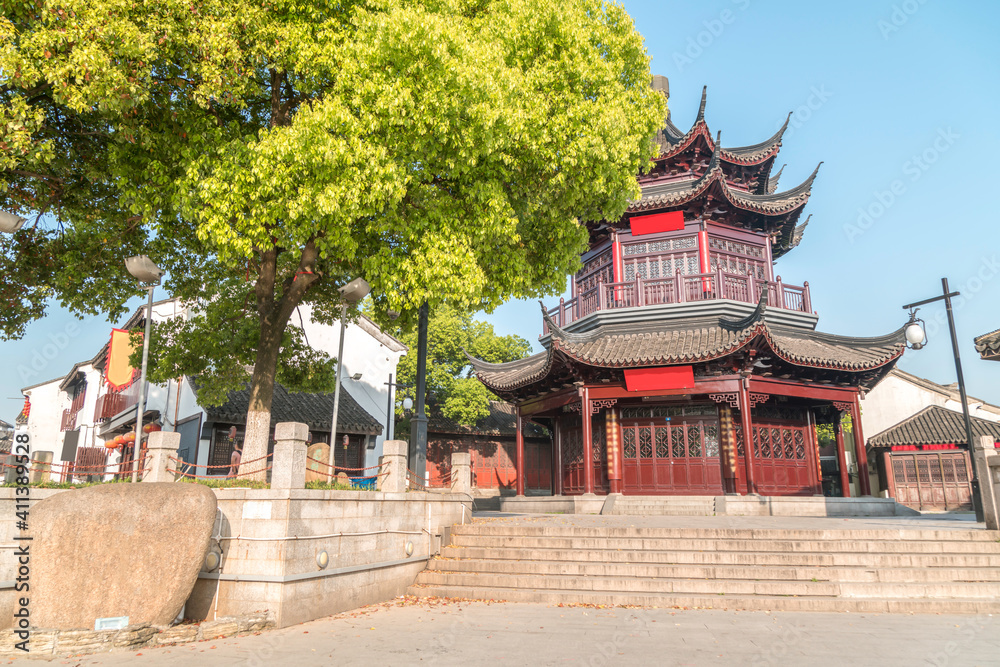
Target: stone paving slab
(410, 631)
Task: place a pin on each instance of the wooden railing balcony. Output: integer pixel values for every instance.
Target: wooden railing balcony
(115, 401)
(68, 420)
(680, 289)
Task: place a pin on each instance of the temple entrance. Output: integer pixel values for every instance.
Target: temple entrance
(785, 462)
(671, 451)
(572, 455)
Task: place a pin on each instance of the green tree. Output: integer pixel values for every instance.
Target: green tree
(264, 152)
(450, 334)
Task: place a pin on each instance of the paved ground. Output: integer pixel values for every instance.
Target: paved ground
(409, 631)
(436, 632)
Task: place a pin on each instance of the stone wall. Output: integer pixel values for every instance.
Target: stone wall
(270, 541)
(293, 553)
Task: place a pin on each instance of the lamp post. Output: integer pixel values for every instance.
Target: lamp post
(350, 293)
(148, 274)
(418, 425)
(917, 338)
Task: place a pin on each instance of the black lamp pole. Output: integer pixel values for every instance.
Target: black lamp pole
(418, 425)
(977, 502)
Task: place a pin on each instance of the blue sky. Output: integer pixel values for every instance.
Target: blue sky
(883, 98)
(897, 98)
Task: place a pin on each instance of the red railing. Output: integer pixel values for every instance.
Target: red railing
(114, 402)
(680, 289)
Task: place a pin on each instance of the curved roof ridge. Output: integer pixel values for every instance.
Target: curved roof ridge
(768, 143)
(803, 188)
(772, 181)
(756, 316)
(701, 108)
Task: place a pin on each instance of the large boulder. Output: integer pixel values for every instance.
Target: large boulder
(116, 550)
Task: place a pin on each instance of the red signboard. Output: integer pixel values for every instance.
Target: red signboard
(666, 377)
(656, 223)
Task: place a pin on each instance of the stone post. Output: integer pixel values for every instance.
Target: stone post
(10, 472)
(41, 467)
(461, 472)
(983, 455)
(160, 446)
(392, 475)
(289, 464)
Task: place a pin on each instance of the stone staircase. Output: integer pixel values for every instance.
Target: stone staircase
(923, 571)
(662, 506)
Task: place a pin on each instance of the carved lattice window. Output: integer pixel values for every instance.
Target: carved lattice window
(628, 441)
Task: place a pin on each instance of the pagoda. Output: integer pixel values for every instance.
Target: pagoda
(682, 365)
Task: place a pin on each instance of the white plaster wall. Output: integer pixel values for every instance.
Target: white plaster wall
(896, 399)
(47, 405)
(364, 354)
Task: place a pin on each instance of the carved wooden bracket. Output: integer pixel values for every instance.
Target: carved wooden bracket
(758, 398)
(598, 403)
(733, 399)
(843, 407)
(573, 407)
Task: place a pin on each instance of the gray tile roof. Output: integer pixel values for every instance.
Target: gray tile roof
(988, 345)
(934, 425)
(500, 422)
(316, 410)
(665, 343)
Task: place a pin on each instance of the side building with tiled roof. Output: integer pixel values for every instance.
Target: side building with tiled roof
(683, 364)
(919, 448)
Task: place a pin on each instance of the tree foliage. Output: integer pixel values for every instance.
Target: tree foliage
(264, 152)
(454, 392)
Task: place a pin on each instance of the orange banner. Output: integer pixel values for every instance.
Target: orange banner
(119, 372)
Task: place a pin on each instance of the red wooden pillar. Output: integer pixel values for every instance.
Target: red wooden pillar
(864, 482)
(612, 436)
(520, 451)
(588, 441)
(845, 478)
(617, 265)
(748, 461)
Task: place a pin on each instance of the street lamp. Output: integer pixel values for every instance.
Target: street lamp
(148, 274)
(10, 223)
(350, 293)
(916, 338)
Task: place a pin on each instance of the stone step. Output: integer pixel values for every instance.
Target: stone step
(725, 544)
(615, 584)
(728, 533)
(836, 574)
(793, 559)
(743, 602)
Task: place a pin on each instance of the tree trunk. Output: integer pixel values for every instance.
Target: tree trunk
(274, 316)
(258, 431)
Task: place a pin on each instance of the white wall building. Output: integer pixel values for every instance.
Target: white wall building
(901, 395)
(74, 430)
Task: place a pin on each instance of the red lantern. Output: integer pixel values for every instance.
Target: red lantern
(151, 428)
(119, 440)
(110, 444)
(130, 437)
